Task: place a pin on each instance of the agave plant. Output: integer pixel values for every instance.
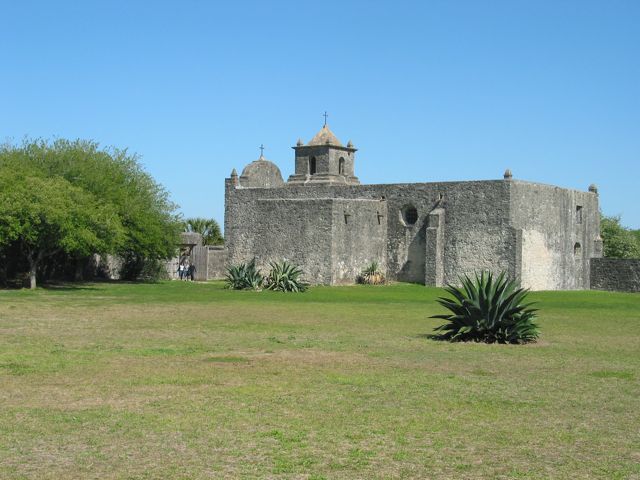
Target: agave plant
(244, 277)
(487, 309)
(285, 277)
(371, 275)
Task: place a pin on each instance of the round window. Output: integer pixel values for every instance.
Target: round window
(409, 215)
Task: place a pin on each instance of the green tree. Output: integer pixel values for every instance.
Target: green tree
(46, 216)
(207, 227)
(113, 179)
(618, 241)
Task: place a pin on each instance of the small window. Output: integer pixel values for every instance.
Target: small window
(341, 166)
(409, 215)
(312, 166)
(577, 250)
(579, 214)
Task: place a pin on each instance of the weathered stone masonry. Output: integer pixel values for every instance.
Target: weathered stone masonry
(619, 274)
(430, 233)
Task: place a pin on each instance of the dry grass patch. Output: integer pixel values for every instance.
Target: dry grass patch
(182, 380)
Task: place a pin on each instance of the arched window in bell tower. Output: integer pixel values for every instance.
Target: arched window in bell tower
(341, 166)
(312, 166)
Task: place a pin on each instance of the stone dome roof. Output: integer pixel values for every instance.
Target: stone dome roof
(325, 137)
(261, 173)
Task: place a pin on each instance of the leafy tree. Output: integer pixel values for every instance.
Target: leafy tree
(207, 227)
(46, 216)
(636, 235)
(618, 241)
(145, 220)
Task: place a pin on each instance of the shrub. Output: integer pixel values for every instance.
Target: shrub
(371, 275)
(487, 309)
(285, 277)
(244, 277)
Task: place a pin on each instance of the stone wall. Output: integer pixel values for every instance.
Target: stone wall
(295, 222)
(210, 262)
(526, 229)
(217, 267)
(276, 229)
(333, 240)
(107, 266)
(617, 274)
(558, 230)
(359, 237)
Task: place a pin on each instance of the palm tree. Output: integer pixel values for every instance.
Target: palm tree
(207, 227)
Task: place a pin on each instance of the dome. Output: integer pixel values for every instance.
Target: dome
(325, 137)
(261, 174)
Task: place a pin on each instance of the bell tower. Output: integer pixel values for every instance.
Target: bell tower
(324, 160)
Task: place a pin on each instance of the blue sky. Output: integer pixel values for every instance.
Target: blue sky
(428, 90)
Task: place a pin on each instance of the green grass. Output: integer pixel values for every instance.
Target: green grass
(186, 380)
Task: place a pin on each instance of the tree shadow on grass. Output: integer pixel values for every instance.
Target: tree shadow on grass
(69, 286)
(61, 286)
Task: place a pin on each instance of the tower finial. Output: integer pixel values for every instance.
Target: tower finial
(325, 118)
(261, 151)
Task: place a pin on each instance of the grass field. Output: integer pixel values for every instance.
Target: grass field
(183, 380)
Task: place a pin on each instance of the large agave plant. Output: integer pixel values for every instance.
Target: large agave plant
(285, 277)
(487, 309)
(244, 276)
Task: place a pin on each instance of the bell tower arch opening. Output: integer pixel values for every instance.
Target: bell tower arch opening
(324, 160)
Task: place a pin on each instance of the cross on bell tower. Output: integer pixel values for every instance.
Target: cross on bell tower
(324, 160)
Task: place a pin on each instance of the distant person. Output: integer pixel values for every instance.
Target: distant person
(181, 269)
(192, 272)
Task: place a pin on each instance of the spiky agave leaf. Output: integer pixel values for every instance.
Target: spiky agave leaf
(285, 277)
(244, 276)
(487, 309)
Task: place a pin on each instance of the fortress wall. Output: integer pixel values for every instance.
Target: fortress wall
(617, 274)
(359, 237)
(473, 249)
(557, 239)
(475, 236)
(217, 264)
(295, 230)
(476, 230)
